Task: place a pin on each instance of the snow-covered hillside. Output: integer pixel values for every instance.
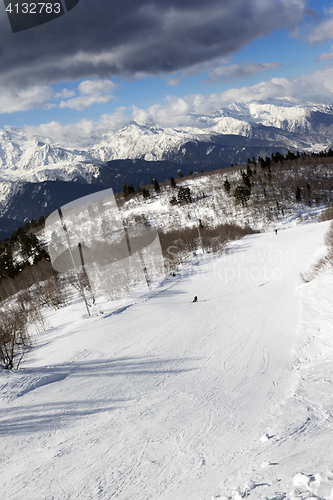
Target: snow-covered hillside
(98, 154)
(161, 398)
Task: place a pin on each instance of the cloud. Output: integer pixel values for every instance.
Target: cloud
(91, 92)
(233, 72)
(43, 96)
(325, 57)
(323, 31)
(174, 81)
(176, 111)
(12, 100)
(188, 110)
(315, 87)
(131, 38)
(220, 70)
(73, 133)
(64, 94)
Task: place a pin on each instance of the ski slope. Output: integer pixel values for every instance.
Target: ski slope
(163, 398)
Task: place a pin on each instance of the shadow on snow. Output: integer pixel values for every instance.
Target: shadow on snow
(52, 415)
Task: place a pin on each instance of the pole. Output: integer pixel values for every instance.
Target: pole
(70, 252)
(140, 256)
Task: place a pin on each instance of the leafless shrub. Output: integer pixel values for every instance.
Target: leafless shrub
(71, 277)
(15, 341)
(175, 247)
(306, 277)
(215, 239)
(179, 243)
(327, 214)
(47, 293)
(328, 238)
(54, 293)
(24, 300)
(323, 263)
(139, 219)
(30, 303)
(28, 277)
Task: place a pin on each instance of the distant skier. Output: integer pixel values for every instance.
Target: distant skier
(275, 231)
(195, 299)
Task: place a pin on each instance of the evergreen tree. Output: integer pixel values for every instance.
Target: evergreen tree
(227, 186)
(290, 155)
(246, 180)
(128, 189)
(262, 162)
(277, 157)
(184, 195)
(172, 182)
(298, 193)
(249, 172)
(242, 195)
(156, 185)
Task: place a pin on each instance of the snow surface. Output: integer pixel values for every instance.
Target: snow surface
(159, 397)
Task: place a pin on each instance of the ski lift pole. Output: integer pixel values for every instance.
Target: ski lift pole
(144, 268)
(70, 253)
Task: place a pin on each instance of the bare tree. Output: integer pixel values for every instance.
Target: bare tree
(15, 341)
(325, 262)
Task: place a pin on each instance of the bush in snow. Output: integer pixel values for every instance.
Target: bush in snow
(15, 341)
(324, 262)
(327, 214)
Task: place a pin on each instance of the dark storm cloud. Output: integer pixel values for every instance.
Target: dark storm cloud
(130, 38)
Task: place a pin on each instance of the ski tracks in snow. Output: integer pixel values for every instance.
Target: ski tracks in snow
(173, 395)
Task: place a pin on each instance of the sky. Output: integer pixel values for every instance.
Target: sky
(160, 61)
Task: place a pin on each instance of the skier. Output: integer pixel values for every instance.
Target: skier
(195, 299)
(275, 231)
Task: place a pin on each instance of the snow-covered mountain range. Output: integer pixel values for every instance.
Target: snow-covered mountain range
(290, 125)
(214, 140)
